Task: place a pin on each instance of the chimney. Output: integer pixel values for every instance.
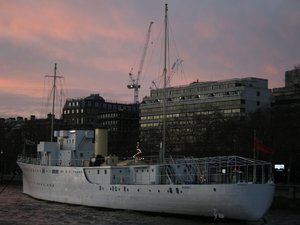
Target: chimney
(101, 142)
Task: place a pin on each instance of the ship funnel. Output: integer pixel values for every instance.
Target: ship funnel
(101, 142)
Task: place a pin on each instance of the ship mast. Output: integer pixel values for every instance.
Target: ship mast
(165, 85)
(53, 98)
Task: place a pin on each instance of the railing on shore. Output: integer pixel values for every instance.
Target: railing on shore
(288, 191)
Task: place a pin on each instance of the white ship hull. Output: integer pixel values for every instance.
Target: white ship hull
(244, 201)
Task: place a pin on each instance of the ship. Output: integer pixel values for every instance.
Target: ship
(77, 169)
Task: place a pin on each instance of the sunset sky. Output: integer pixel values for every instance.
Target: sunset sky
(95, 43)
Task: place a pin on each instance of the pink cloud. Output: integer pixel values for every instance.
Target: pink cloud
(60, 21)
(21, 85)
(271, 70)
(95, 43)
(204, 30)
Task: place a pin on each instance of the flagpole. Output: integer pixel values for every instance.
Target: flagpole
(254, 156)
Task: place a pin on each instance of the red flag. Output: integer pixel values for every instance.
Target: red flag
(258, 145)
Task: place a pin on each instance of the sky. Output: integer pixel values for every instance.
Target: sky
(96, 43)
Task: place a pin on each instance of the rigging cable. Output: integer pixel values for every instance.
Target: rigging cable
(178, 55)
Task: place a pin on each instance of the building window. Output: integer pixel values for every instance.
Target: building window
(243, 101)
(258, 93)
(257, 103)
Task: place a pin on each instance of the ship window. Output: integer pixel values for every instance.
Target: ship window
(105, 171)
(120, 171)
(177, 190)
(170, 190)
(98, 171)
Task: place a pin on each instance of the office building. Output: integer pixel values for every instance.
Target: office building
(186, 105)
(289, 95)
(121, 120)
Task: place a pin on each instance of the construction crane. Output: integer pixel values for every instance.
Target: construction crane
(134, 82)
(153, 86)
(174, 69)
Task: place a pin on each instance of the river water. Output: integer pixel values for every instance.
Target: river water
(17, 208)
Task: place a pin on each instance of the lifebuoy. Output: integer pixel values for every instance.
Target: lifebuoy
(202, 179)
